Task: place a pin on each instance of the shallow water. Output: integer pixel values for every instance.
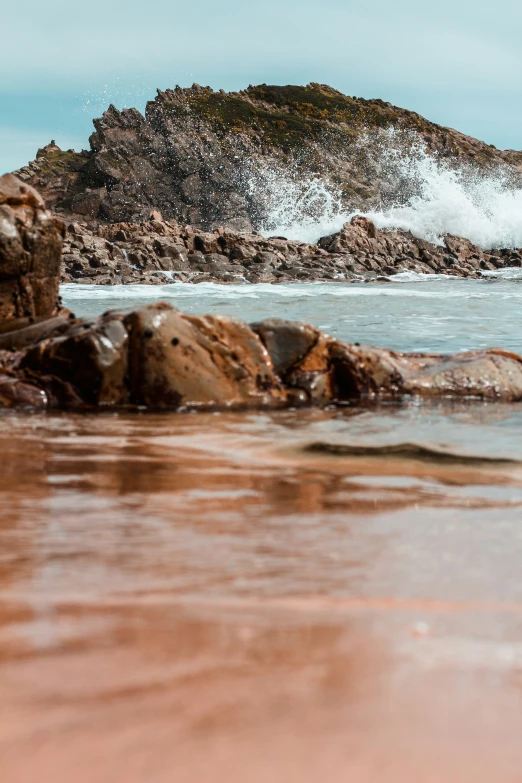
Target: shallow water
(425, 314)
(207, 597)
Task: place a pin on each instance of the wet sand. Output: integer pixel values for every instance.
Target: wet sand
(202, 598)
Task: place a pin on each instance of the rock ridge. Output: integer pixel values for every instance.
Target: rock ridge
(157, 251)
(187, 154)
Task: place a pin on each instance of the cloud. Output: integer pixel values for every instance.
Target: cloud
(458, 63)
(400, 42)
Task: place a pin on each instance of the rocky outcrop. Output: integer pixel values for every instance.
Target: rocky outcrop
(159, 358)
(192, 153)
(390, 252)
(156, 251)
(181, 191)
(30, 256)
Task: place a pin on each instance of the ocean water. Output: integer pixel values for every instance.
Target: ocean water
(422, 193)
(418, 313)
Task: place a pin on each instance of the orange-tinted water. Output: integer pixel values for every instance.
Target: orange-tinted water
(199, 598)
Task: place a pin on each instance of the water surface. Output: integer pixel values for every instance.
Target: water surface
(427, 314)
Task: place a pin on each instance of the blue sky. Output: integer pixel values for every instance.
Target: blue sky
(62, 62)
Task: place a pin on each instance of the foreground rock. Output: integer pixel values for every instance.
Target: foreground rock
(157, 251)
(30, 256)
(159, 358)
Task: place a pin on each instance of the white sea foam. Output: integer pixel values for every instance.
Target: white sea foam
(426, 195)
(508, 273)
(292, 204)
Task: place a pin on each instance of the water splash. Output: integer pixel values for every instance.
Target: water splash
(289, 202)
(420, 192)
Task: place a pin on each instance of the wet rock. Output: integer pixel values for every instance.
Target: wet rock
(178, 360)
(366, 372)
(16, 339)
(486, 375)
(30, 255)
(158, 358)
(16, 393)
(287, 342)
(312, 374)
(91, 357)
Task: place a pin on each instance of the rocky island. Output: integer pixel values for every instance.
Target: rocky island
(168, 195)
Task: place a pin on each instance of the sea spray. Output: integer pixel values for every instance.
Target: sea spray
(286, 200)
(421, 192)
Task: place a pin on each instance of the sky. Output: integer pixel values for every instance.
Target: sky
(62, 62)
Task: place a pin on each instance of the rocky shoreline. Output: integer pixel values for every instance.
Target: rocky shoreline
(182, 191)
(157, 357)
(157, 251)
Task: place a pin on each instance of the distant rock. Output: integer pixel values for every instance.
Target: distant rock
(155, 251)
(188, 154)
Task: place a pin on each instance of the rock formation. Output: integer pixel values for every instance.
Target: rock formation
(156, 251)
(30, 253)
(188, 154)
(159, 358)
(174, 193)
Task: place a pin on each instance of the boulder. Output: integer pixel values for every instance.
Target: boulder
(178, 360)
(30, 256)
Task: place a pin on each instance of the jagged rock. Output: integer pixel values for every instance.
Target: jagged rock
(190, 154)
(183, 179)
(357, 253)
(30, 254)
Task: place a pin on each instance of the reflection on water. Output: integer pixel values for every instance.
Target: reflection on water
(201, 598)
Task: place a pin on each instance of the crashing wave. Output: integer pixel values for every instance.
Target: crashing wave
(423, 193)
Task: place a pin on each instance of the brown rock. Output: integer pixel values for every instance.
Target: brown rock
(30, 247)
(362, 372)
(91, 357)
(287, 342)
(15, 393)
(178, 360)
